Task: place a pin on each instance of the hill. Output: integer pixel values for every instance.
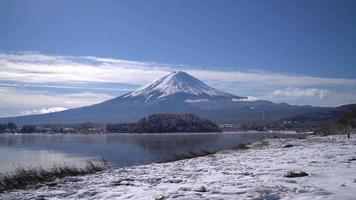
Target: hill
(173, 123)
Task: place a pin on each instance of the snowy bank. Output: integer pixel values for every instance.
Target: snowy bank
(255, 173)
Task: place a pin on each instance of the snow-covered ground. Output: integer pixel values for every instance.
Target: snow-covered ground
(256, 173)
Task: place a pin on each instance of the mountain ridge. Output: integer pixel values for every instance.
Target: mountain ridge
(175, 93)
(178, 83)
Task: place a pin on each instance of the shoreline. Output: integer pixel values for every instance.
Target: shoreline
(175, 133)
(254, 173)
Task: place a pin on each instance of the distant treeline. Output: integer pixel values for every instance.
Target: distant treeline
(119, 128)
(339, 120)
(9, 127)
(333, 121)
(52, 128)
(156, 123)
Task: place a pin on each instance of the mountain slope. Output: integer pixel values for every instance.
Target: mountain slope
(178, 85)
(178, 92)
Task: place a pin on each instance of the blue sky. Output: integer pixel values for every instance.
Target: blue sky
(74, 53)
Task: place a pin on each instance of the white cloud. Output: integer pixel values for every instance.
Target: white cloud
(22, 72)
(43, 111)
(39, 68)
(25, 100)
(249, 98)
(299, 92)
(61, 87)
(196, 100)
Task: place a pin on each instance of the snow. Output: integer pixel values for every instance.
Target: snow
(249, 98)
(256, 173)
(173, 83)
(196, 100)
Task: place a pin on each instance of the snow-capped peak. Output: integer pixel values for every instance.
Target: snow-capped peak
(177, 82)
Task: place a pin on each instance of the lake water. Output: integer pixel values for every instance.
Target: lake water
(45, 150)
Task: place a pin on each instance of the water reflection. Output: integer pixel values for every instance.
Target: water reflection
(119, 149)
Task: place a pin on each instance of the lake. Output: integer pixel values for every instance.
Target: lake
(45, 150)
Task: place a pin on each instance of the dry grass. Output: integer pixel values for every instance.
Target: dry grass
(201, 153)
(22, 177)
(241, 147)
(188, 155)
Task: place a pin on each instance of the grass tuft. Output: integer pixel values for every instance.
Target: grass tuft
(23, 178)
(188, 155)
(241, 147)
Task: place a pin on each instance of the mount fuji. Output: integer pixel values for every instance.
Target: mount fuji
(177, 92)
(178, 86)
